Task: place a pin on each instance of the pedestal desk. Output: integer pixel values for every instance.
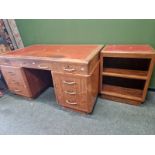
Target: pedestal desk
(74, 69)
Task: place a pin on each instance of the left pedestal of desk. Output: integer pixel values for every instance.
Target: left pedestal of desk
(24, 82)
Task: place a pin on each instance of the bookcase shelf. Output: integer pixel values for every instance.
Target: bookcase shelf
(125, 72)
(122, 92)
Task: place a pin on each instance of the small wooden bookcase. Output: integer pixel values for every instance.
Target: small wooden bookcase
(125, 72)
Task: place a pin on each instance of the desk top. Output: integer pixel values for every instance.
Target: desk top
(130, 49)
(56, 52)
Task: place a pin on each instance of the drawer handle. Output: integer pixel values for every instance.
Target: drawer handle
(17, 90)
(69, 83)
(11, 72)
(14, 81)
(42, 67)
(70, 92)
(17, 83)
(5, 63)
(72, 103)
(69, 69)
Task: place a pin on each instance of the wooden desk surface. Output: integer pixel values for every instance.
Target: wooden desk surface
(129, 49)
(56, 52)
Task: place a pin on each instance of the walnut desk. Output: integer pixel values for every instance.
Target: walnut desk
(74, 69)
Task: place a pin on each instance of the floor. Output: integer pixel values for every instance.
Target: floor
(44, 116)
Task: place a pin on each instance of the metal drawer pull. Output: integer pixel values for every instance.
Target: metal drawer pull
(16, 83)
(70, 92)
(17, 90)
(5, 63)
(12, 73)
(42, 67)
(69, 83)
(69, 69)
(73, 103)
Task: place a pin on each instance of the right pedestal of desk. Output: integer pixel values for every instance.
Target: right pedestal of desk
(77, 91)
(125, 72)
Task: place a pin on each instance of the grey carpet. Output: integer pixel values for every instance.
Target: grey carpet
(44, 116)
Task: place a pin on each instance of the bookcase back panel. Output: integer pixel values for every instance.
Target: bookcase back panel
(126, 63)
(124, 82)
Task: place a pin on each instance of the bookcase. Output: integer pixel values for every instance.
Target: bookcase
(125, 72)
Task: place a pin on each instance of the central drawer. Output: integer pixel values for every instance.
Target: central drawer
(36, 64)
(5, 62)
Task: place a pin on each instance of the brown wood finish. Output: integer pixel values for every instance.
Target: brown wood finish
(38, 80)
(75, 91)
(122, 92)
(121, 100)
(93, 86)
(131, 62)
(16, 80)
(148, 78)
(70, 63)
(126, 73)
(58, 53)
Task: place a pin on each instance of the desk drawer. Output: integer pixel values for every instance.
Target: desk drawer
(70, 68)
(76, 101)
(15, 80)
(19, 89)
(44, 65)
(71, 91)
(6, 62)
(70, 83)
(12, 74)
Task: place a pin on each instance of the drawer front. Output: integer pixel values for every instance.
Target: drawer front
(12, 74)
(15, 80)
(70, 68)
(19, 89)
(36, 64)
(5, 62)
(70, 91)
(70, 84)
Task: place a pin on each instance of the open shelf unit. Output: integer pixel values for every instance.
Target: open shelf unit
(125, 76)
